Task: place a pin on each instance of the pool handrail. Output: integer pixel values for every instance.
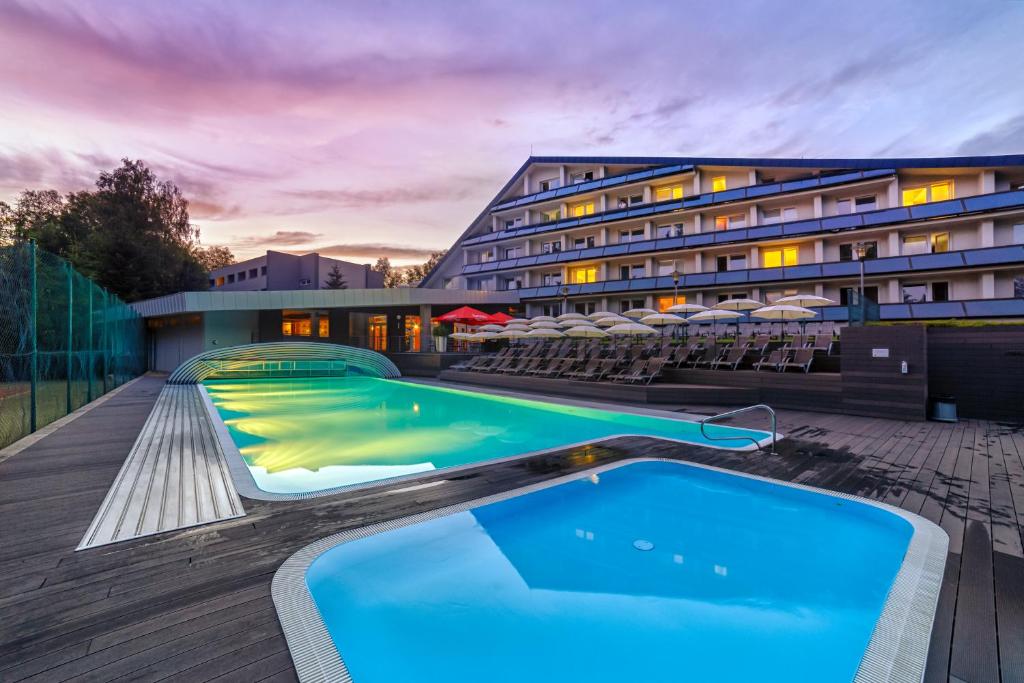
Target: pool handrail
(738, 411)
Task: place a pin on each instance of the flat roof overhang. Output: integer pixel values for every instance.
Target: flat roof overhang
(199, 302)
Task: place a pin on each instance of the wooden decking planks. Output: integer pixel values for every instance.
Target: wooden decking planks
(175, 476)
(194, 605)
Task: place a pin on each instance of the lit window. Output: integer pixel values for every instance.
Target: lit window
(773, 296)
(940, 242)
(220, 281)
(663, 194)
(718, 183)
(323, 327)
(583, 275)
(584, 209)
(665, 302)
(916, 244)
(933, 192)
(721, 222)
(775, 258)
(287, 328)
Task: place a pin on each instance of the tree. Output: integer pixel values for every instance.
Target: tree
(214, 257)
(392, 277)
(335, 278)
(413, 274)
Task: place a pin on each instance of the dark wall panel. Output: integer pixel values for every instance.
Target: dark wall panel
(871, 365)
(982, 367)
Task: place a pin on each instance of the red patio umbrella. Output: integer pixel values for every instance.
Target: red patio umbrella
(500, 318)
(466, 316)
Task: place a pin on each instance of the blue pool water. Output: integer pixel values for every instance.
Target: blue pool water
(300, 435)
(653, 571)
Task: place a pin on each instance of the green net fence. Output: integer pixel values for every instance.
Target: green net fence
(64, 340)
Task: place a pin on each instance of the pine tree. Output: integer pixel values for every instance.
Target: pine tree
(335, 278)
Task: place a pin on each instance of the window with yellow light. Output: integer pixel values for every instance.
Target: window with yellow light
(666, 302)
(582, 275)
(721, 222)
(663, 194)
(932, 192)
(323, 327)
(718, 183)
(776, 258)
(584, 209)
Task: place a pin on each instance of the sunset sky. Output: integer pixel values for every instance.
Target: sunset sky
(383, 128)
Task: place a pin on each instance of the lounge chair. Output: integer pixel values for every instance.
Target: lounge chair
(773, 360)
(528, 366)
(635, 370)
(542, 370)
(650, 373)
(732, 358)
(589, 371)
(709, 355)
(801, 360)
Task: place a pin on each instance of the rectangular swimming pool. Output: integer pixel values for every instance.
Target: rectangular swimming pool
(305, 435)
(648, 571)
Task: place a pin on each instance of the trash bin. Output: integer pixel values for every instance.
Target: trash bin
(943, 409)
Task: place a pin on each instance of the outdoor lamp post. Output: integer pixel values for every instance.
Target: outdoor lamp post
(861, 249)
(675, 290)
(565, 299)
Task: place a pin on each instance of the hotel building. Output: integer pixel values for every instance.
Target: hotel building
(941, 237)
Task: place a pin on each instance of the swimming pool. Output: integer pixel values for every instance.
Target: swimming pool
(648, 571)
(305, 435)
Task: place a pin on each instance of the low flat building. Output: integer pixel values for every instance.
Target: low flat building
(937, 237)
(386, 319)
(276, 271)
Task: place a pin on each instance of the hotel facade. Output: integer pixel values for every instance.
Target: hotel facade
(939, 238)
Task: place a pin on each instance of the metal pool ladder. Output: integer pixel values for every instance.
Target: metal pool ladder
(738, 411)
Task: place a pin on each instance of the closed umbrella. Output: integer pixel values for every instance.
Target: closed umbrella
(545, 324)
(637, 313)
(782, 312)
(713, 315)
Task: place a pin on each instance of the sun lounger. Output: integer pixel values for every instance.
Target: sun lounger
(801, 360)
(650, 373)
(634, 371)
(709, 355)
(732, 358)
(589, 371)
(773, 360)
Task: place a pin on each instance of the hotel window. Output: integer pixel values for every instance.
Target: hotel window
(213, 283)
(667, 267)
(220, 281)
(241, 276)
(584, 209)
(940, 242)
(252, 273)
(848, 253)
(552, 279)
(581, 177)
(628, 304)
(915, 294)
(718, 183)
(848, 295)
(933, 192)
(857, 204)
(550, 216)
(940, 291)
(263, 270)
(231, 278)
(323, 327)
(786, 256)
(511, 284)
(730, 222)
(772, 216)
(512, 252)
(551, 247)
(773, 296)
(583, 242)
(732, 295)
(632, 200)
(663, 194)
(552, 310)
(731, 262)
(513, 223)
(1018, 234)
(926, 244)
(548, 184)
(583, 275)
(666, 302)
(585, 307)
(296, 324)
(674, 230)
(1018, 287)
(631, 235)
(632, 271)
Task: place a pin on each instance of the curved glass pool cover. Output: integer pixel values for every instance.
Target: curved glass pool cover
(304, 435)
(653, 571)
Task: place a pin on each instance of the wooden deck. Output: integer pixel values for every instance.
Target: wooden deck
(194, 605)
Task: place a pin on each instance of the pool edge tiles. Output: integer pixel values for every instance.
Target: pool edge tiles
(896, 653)
(246, 484)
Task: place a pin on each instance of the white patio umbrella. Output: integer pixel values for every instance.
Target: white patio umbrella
(483, 336)
(543, 333)
(545, 324)
(662, 320)
(597, 315)
(518, 326)
(573, 322)
(738, 305)
(804, 300)
(543, 318)
(634, 329)
(517, 321)
(587, 331)
(572, 316)
(611, 320)
(637, 313)
(685, 308)
(713, 315)
(491, 327)
(512, 334)
(782, 312)
(460, 336)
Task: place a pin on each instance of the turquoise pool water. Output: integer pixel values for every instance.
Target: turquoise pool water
(653, 571)
(301, 435)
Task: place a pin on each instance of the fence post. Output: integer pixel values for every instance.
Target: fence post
(92, 364)
(71, 322)
(33, 321)
(103, 332)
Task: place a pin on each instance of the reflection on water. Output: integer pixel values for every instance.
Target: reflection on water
(309, 434)
(651, 569)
